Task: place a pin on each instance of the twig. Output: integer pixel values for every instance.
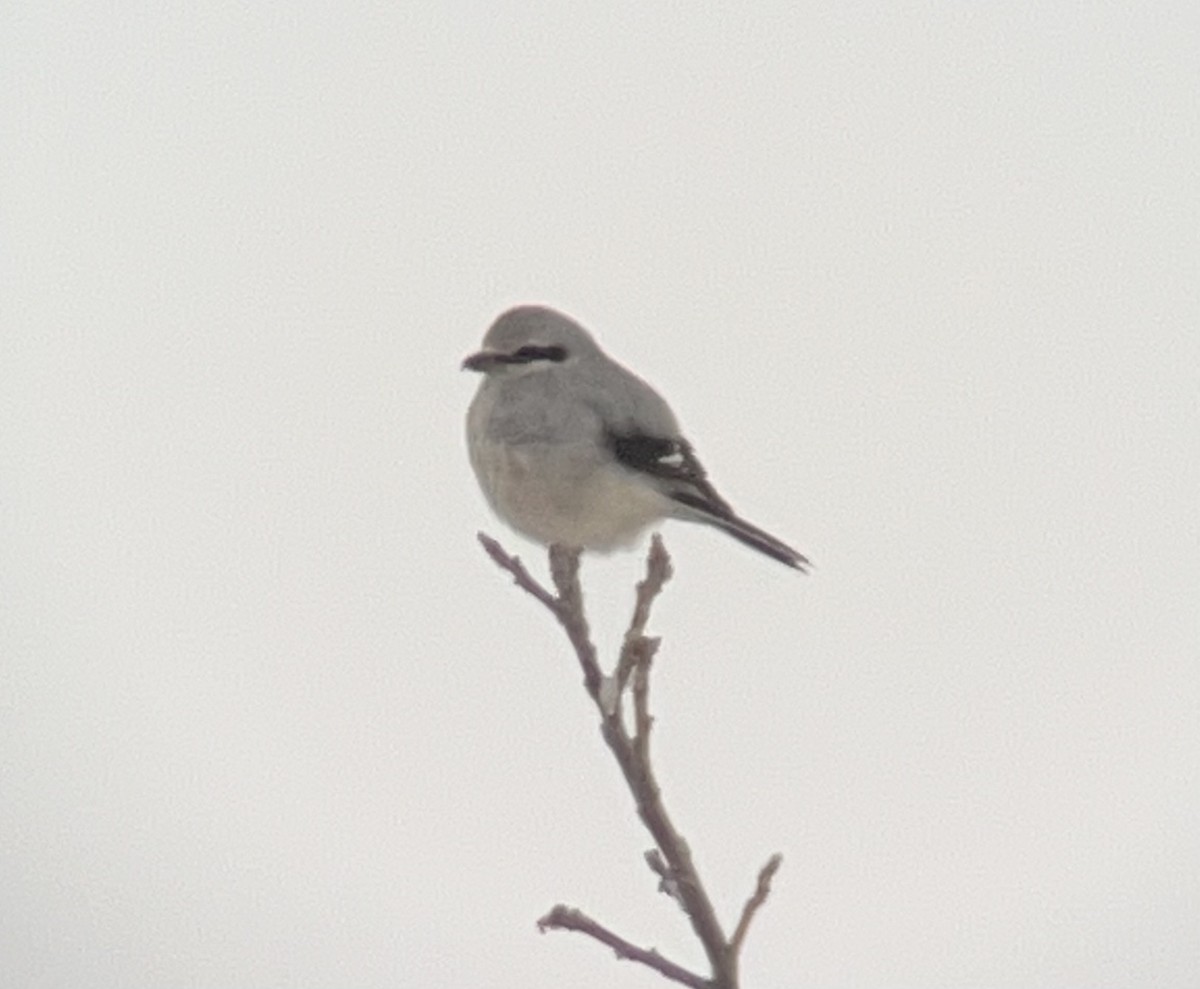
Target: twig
(644, 653)
(564, 570)
(761, 891)
(569, 919)
(658, 572)
(666, 882)
(520, 575)
(672, 858)
(567, 608)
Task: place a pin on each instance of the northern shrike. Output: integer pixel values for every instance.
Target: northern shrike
(572, 448)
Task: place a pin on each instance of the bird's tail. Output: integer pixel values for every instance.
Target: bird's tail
(717, 513)
(764, 542)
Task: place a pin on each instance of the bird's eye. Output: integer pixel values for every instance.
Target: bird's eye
(532, 352)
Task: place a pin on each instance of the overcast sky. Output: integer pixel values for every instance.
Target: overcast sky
(922, 282)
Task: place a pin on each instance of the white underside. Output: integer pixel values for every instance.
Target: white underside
(566, 494)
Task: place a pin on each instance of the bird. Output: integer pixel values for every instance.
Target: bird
(572, 449)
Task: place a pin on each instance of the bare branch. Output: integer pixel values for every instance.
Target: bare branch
(632, 755)
(569, 919)
(644, 652)
(672, 858)
(757, 899)
(564, 569)
(521, 576)
(658, 572)
(567, 608)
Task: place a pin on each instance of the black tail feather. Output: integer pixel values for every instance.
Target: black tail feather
(719, 515)
(764, 542)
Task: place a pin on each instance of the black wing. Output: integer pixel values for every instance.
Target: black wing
(672, 460)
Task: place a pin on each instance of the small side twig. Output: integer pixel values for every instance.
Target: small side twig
(762, 890)
(666, 881)
(567, 607)
(658, 572)
(570, 919)
(521, 576)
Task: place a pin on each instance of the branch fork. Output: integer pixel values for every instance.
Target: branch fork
(670, 859)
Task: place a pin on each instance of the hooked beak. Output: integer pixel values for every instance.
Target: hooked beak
(482, 362)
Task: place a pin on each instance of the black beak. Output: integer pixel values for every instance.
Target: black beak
(483, 361)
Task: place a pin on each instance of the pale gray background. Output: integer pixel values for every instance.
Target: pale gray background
(923, 282)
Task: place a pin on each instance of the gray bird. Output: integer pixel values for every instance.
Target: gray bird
(571, 448)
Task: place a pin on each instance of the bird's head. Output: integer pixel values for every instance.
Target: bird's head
(529, 339)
